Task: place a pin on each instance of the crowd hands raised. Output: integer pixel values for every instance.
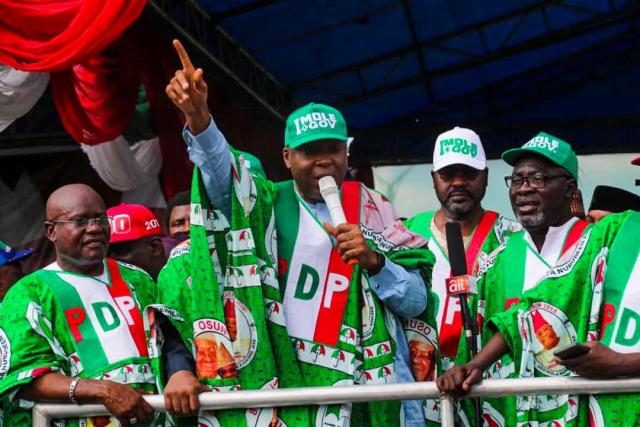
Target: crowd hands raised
(220, 304)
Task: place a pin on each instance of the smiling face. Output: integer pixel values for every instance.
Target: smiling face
(310, 162)
(540, 208)
(78, 249)
(460, 189)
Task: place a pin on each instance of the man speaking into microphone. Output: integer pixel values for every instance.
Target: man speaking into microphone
(344, 284)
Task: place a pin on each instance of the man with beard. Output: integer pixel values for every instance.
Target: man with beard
(541, 187)
(460, 180)
(589, 297)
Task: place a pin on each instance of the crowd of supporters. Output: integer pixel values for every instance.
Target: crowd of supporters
(257, 284)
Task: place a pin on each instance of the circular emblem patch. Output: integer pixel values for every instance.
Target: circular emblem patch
(213, 350)
(335, 415)
(551, 329)
(208, 421)
(242, 329)
(421, 339)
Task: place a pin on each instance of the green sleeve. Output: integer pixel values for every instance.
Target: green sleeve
(174, 291)
(28, 346)
(564, 284)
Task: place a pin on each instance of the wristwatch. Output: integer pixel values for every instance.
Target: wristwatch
(379, 265)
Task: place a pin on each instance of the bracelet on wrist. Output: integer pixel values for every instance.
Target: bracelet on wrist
(72, 390)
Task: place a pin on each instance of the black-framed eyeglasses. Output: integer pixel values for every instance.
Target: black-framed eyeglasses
(534, 181)
(101, 221)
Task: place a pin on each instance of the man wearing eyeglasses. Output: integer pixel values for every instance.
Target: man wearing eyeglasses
(74, 330)
(460, 177)
(460, 180)
(541, 187)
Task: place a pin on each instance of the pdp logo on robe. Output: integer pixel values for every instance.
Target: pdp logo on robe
(242, 329)
(551, 329)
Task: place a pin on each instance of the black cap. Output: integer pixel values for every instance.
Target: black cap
(613, 199)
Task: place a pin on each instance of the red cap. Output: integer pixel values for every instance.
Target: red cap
(538, 320)
(636, 161)
(132, 222)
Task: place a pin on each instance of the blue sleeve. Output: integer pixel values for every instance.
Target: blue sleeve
(209, 151)
(175, 355)
(402, 291)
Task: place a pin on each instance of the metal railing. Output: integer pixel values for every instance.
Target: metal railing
(43, 413)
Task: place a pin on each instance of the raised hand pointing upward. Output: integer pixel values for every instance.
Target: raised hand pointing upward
(188, 91)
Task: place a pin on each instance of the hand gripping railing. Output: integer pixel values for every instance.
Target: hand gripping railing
(43, 413)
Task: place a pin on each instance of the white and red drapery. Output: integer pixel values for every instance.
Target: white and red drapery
(95, 55)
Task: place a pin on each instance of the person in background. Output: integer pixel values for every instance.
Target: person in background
(10, 266)
(606, 200)
(136, 238)
(176, 218)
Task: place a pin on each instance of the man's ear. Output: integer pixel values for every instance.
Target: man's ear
(433, 178)
(157, 248)
(486, 177)
(50, 230)
(286, 154)
(572, 187)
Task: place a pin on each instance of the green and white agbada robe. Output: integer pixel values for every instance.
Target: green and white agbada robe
(492, 231)
(591, 294)
(224, 290)
(81, 326)
(341, 331)
(503, 276)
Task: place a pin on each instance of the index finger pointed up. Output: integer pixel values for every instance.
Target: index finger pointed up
(187, 66)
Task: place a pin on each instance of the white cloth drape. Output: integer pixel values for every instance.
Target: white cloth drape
(19, 92)
(131, 169)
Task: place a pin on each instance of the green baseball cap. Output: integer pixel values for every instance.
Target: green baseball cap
(314, 122)
(550, 147)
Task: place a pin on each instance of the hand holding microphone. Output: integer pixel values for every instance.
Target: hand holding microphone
(349, 238)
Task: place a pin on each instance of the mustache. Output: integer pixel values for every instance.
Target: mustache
(457, 193)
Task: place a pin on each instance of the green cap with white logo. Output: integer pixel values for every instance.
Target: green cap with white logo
(550, 147)
(314, 122)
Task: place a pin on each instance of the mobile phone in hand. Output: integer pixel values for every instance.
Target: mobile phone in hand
(570, 351)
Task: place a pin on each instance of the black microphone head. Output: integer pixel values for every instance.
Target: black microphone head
(457, 257)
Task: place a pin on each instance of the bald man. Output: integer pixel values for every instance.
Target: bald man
(74, 331)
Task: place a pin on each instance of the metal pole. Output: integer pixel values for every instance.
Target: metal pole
(553, 385)
(447, 411)
(267, 398)
(44, 412)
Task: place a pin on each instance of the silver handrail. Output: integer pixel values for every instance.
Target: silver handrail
(43, 413)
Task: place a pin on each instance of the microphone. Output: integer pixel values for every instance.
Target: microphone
(460, 283)
(331, 196)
